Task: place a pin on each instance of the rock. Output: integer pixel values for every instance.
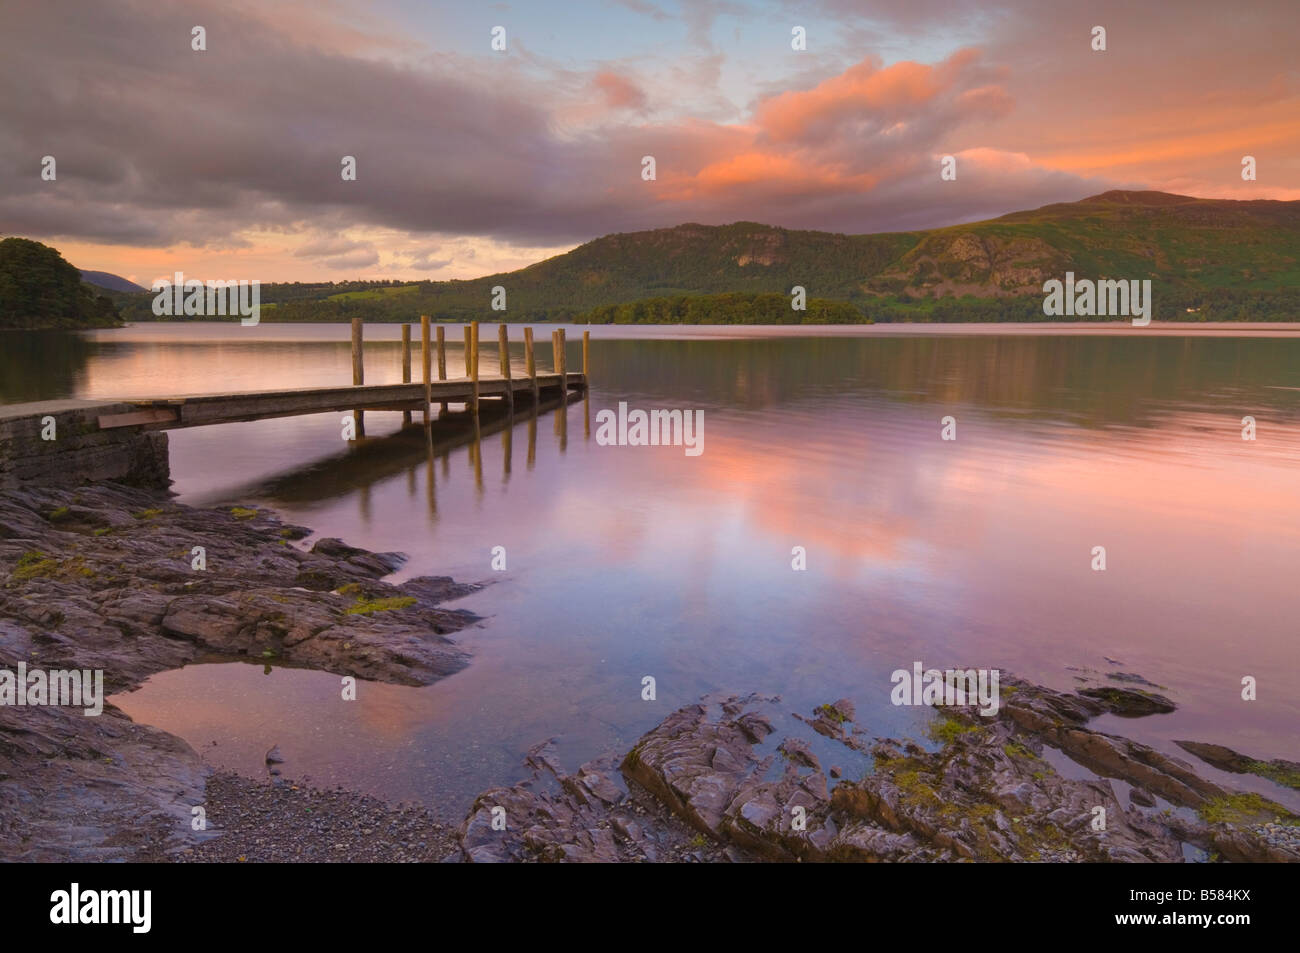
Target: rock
(114, 590)
(985, 795)
(274, 757)
(1129, 703)
(1131, 678)
(1279, 770)
(798, 752)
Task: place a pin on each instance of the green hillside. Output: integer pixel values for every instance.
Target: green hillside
(1225, 260)
(38, 289)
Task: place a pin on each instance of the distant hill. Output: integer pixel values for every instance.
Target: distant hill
(111, 282)
(38, 289)
(1227, 260)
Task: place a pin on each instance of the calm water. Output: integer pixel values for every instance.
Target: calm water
(633, 561)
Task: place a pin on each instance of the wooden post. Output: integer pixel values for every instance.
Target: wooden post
(532, 364)
(473, 363)
(586, 355)
(425, 359)
(358, 364)
(503, 346)
(358, 374)
(442, 361)
(555, 352)
(469, 349)
(406, 367)
(564, 368)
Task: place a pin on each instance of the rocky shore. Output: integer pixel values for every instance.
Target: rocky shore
(981, 790)
(104, 577)
(109, 577)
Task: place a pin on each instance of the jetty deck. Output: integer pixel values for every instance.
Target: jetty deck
(196, 410)
(72, 440)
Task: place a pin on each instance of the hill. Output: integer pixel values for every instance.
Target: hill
(110, 282)
(1229, 260)
(38, 289)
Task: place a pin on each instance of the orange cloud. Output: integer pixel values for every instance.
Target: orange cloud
(619, 92)
(766, 169)
(866, 90)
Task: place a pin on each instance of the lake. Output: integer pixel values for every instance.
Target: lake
(628, 561)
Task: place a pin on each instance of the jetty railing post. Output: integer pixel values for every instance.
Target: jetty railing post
(555, 354)
(564, 369)
(425, 362)
(503, 346)
(406, 367)
(358, 374)
(442, 361)
(473, 363)
(531, 363)
(469, 349)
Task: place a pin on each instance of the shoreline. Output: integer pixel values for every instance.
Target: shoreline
(103, 577)
(271, 330)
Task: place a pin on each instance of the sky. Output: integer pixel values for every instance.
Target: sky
(227, 162)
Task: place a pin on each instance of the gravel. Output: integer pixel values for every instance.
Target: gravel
(280, 821)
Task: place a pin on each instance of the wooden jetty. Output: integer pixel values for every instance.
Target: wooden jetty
(71, 441)
(196, 410)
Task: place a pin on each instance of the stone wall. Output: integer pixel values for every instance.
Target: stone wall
(80, 452)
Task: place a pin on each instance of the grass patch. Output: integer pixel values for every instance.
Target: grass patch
(364, 607)
(832, 713)
(1286, 777)
(59, 514)
(103, 531)
(914, 789)
(1015, 749)
(1243, 809)
(947, 730)
(34, 563)
(242, 513)
(147, 514)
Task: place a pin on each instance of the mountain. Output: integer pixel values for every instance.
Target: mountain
(1227, 260)
(39, 289)
(110, 282)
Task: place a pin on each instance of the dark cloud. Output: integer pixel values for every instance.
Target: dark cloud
(160, 145)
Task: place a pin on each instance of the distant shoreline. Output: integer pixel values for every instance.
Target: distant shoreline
(375, 330)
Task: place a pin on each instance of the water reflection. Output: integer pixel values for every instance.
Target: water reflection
(627, 561)
(41, 365)
(368, 461)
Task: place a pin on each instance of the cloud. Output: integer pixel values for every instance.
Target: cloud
(618, 91)
(332, 246)
(238, 149)
(357, 259)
